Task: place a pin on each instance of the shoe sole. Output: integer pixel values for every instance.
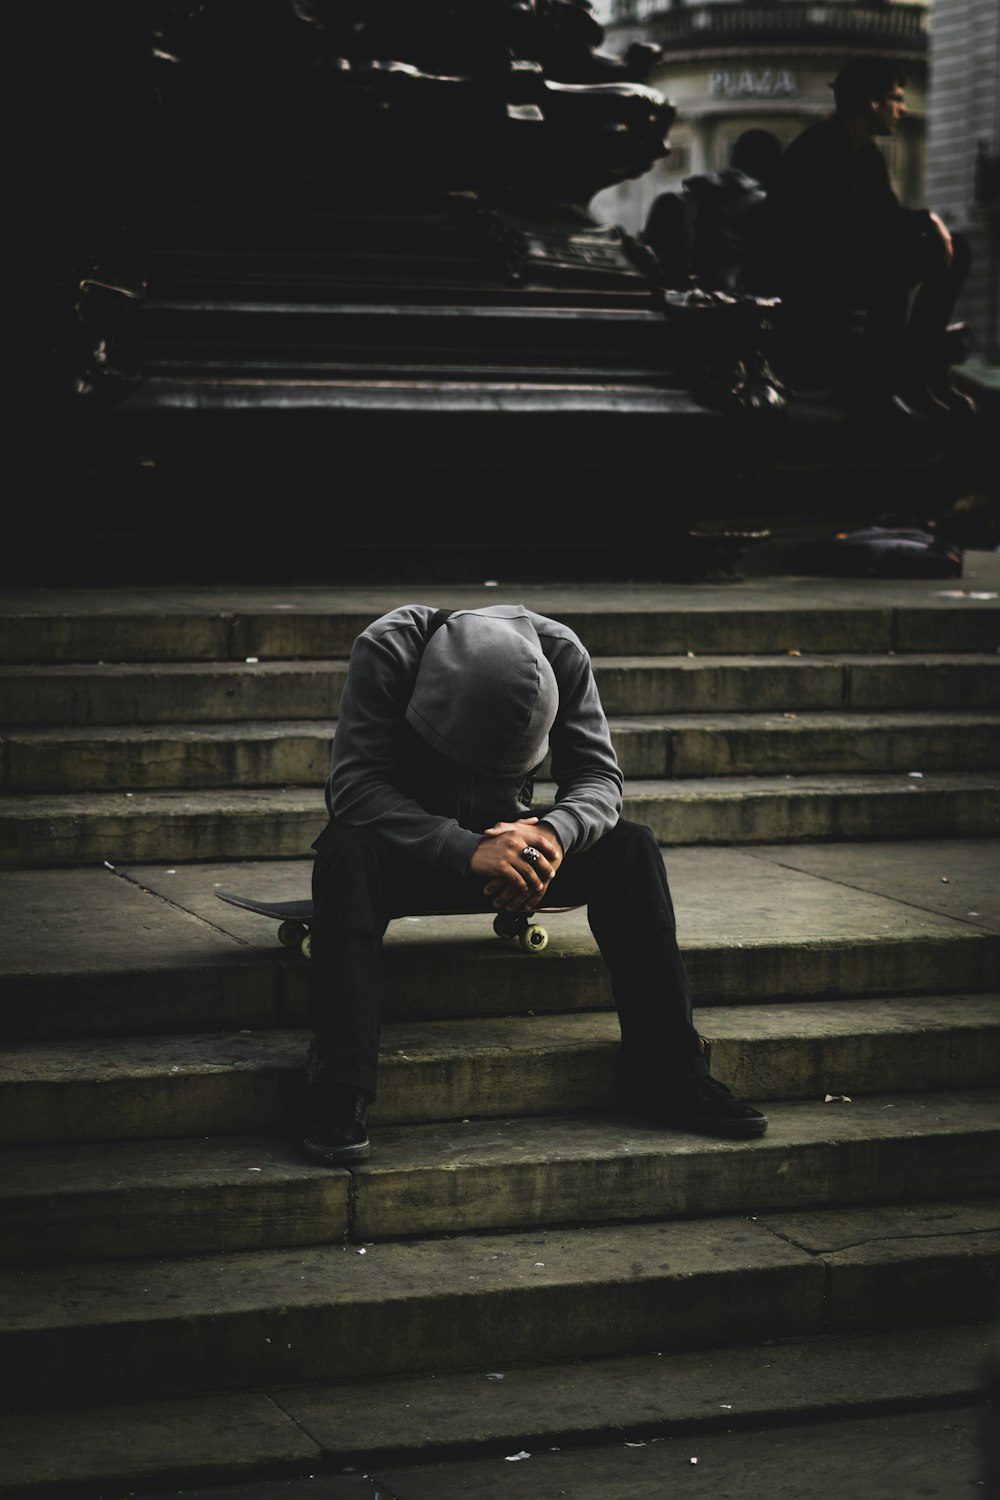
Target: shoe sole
(734, 1130)
(337, 1156)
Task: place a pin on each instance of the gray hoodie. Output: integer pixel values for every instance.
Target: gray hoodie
(439, 734)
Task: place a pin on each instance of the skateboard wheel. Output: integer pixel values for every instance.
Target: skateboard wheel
(291, 934)
(305, 947)
(502, 927)
(533, 938)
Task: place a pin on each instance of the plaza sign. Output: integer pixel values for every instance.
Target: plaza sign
(754, 83)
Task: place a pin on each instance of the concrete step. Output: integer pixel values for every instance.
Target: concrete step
(796, 683)
(250, 1320)
(762, 744)
(197, 1195)
(757, 616)
(914, 1452)
(45, 830)
(131, 693)
(144, 1087)
(762, 809)
(149, 949)
(409, 1419)
(149, 693)
(275, 753)
(186, 757)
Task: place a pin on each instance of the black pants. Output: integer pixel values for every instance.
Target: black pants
(360, 883)
(910, 298)
(907, 290)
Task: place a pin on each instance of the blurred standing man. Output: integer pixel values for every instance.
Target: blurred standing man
(838, 239)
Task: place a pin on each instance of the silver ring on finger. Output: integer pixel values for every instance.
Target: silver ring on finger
(531, 854)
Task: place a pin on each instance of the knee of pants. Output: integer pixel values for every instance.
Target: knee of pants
(349, 878)
(634, 841)
(633, 879)
(654, 892)
(339, 843)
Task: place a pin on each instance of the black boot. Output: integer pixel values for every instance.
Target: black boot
(699, 1102)
(703, 1106)
(336, 1124)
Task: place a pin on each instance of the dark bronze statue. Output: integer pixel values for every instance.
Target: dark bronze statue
(343, 234)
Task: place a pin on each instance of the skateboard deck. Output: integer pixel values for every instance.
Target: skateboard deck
(294, 920)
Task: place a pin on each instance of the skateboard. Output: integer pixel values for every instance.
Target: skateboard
(294, 920)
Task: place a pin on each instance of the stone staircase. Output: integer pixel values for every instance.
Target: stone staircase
(518, 1265)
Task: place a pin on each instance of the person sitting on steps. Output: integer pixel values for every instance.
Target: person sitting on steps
(837, 239)
(445, 719)
(707, 236)
(723, 212)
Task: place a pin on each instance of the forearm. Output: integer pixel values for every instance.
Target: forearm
(585, 810)
(381, 807)
(584, 766)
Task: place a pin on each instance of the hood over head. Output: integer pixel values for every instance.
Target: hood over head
(485, 695)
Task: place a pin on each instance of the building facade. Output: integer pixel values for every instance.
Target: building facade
(963, 152)
(735, 65)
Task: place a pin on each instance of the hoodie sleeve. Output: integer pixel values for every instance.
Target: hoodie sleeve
(584, 767)
(361, 791)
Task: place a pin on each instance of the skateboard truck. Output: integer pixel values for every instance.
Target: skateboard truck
(531, 936)
(295, 935)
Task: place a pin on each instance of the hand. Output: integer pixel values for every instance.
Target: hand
(942, 229)
(514, 883)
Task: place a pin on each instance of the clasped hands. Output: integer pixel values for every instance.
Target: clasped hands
(514, 883)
